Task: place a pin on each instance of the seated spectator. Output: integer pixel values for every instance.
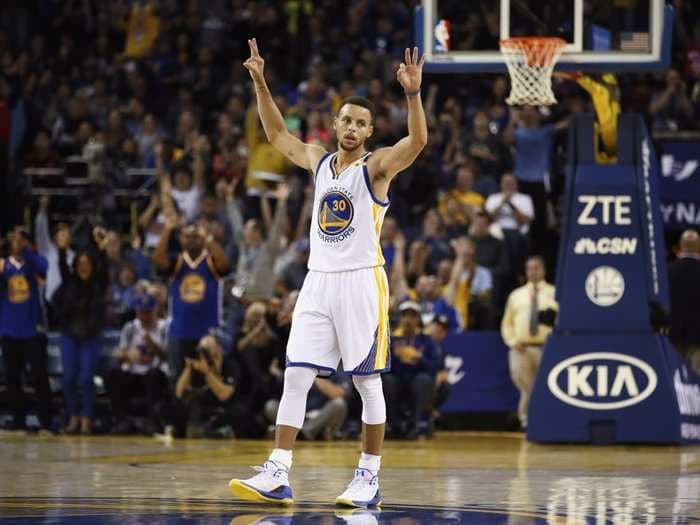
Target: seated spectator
(512, 212)
(326, 407)
(409, 387)
(439, 330)
(469, 289)
(142, 371)
(461, 203)
(430, 248)
(491, 253)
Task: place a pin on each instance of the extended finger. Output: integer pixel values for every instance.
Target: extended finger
(415, 56)
(255, 46)
(407, 56)
(422, 61)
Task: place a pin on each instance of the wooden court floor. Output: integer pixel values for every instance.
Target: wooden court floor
(484, 478)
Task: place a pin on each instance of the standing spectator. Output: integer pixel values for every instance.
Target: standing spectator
(671, 108)
(533, 157)
(256, 255)
(142, 364)
(523, 333)
(194, 288)
(292, 276)
(684, 284)
(512, 212)
(411, 382)
(485, 148)
(491, 253)
(21, 328)
(469, 289)
(80, 306)
(47, 247)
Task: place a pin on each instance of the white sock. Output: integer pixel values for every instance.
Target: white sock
(282, 456)
(369, 462)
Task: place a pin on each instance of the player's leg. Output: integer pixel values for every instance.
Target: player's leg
(362, 324)
(312, 349)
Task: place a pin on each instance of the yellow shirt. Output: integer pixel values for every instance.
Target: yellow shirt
(470, 198)
(515, 326)
(262, 156)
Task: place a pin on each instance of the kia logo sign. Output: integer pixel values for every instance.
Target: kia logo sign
(602, 381)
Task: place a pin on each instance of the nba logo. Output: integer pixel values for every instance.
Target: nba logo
(442, 36)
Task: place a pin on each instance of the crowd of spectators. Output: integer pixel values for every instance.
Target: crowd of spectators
(200, 271)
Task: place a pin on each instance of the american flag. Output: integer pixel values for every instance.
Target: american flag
(634, 41)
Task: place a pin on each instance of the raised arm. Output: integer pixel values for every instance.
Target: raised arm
(303, 155)
(385, 163)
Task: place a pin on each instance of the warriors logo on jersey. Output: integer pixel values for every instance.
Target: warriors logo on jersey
(335, 215)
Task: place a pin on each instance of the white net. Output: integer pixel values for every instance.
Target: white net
(530, 62)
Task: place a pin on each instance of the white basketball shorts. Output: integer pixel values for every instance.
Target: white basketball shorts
(342, 315)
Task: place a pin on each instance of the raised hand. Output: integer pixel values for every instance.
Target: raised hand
(282, 191)
(255, 63)
(410, 73)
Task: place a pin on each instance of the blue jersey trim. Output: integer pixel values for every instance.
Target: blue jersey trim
(369, 373)
(318, 166)
(369, 188)
(331, 371)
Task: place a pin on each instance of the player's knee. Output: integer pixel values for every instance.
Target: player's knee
(298, 379)
(373, 405)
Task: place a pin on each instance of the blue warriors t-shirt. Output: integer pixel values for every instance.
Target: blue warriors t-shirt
(21, 313)
(195, 297)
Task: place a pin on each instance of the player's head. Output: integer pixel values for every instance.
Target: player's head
(353, 123)
(534, 269)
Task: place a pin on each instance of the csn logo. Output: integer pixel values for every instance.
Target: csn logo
(602, 381)
(606, 246)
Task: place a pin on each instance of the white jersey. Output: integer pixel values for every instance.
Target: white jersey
(347, 219)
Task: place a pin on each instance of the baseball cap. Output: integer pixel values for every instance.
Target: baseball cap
(409, 306)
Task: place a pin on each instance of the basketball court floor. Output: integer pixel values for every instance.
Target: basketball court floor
(471, 478)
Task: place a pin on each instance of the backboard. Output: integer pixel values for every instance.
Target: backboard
(601, 35)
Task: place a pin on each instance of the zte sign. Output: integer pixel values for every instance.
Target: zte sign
(602, 381)
(605, 209)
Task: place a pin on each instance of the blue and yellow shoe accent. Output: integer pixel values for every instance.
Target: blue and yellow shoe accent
(282, 495)
(375, 502)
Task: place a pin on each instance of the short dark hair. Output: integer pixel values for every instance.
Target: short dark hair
(359, 101)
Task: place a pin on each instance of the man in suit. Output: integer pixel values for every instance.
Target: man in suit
(684, 282)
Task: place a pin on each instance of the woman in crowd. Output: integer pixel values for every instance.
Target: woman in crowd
(81, 304)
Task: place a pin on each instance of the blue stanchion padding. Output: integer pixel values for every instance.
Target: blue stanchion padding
(606, 375)
(613, 388)
(478, 371)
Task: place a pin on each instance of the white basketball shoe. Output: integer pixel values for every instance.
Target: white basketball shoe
(271, 485)
(362, 492)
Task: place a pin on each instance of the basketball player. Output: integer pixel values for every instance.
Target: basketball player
(342, 309)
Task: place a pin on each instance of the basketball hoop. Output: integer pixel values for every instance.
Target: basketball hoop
(530, 62)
